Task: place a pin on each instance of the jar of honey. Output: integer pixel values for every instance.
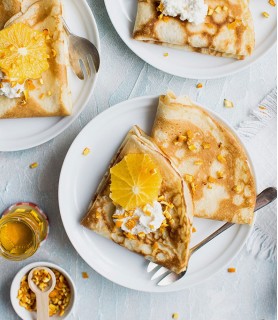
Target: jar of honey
(23, 228)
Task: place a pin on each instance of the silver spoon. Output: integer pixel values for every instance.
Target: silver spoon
(42, 297)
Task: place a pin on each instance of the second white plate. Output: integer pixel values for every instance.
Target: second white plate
(20, 134)
(190, 64)
(79, 179)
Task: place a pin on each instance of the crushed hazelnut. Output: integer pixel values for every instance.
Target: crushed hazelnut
(85, 275)
(265, 14)
(199, 86)
(33, 165)
(228, 104)
(166, 54)
(86, 151)
(231, 270)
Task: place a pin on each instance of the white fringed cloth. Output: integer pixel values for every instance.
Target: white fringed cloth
(259, 134)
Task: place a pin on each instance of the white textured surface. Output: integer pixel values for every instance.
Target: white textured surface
(249, 294)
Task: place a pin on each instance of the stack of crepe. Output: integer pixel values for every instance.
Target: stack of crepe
(41, 15)
(227, 31)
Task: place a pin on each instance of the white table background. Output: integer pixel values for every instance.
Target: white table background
(249, 294)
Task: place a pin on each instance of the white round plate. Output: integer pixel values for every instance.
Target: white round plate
(21, 134)
(190, 64)
(79, 179)
(22, 312)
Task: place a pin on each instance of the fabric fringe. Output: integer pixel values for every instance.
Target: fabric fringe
(259, 117)
(261, 246)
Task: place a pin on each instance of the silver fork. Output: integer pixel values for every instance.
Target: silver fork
(263, 199)
(84, 56)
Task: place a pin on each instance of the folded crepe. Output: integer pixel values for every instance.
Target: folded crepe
(168, 245)
(210, 159)
(52, 95)
(227, 31)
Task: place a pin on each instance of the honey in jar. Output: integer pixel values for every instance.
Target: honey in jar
(23, 227)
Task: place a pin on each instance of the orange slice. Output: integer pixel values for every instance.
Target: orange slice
(135, 181)
(23, 52)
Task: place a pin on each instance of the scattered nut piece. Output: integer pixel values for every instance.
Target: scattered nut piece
(272, 3)
(86, 151)
(209, 186)
(141, 235)
(194, 229)
(237, 189)
(199, 86)
(262, 107)
(228, 104)
(181, 138)
(265, 14)
(85, 275)
(220, 174)
(33, 165)
(166, 54)
(211, 179)
(175, 315)
(231, 270)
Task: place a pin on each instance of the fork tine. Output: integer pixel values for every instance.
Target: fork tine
(160, 272)
(169, 279)
(151, 266)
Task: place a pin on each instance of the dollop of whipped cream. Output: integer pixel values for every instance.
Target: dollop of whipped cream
(146, 220)
(8, 90)
(194, 11)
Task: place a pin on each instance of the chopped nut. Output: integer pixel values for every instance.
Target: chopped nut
(151, 226)
(33, 165)
(218, 9)
(272, 3)
(175, 315)
(192, 147)
(211, 179)
(194, 229)
(237, 189)
(228, 104)
(161, 198)
(199, 86)
(166, 54)
(86, 151)
(262, 107)
(198, 162)
(224, 8)
(193, 187)
(220, 174)
(231, 270)
(129, 235)
(234, 24)
(210, 12)
(181, 138)
(189, 134)
(155, 246)
(141, 235)
(41, 81)
(160, 17)
(209, 186)
(49, 93)
(42, 96)
(265, 14)
(205, 145)
(220, 158)
(85, 275)
(188, 178)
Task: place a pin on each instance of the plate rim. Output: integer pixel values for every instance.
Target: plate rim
(71, 117)
(120, 106)
(189, 75)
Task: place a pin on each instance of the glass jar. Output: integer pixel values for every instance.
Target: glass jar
(23, 228)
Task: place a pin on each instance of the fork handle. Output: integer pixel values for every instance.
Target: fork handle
(263, 199)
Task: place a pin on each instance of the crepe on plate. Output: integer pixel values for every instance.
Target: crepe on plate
(210, 159)
(42, 15)
(168, 246)
(228, 31)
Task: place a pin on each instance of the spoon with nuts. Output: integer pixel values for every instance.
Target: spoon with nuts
(42, 281)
